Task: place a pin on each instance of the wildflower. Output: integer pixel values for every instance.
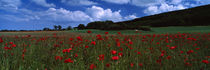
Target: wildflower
(92, 66)
(106, 32)
(58, 58)
(93, 43)
(115, 58)
(205, 61)
(113, 52)
(89, 31)
(68, 60)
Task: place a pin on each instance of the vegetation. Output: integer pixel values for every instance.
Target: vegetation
(70, 51)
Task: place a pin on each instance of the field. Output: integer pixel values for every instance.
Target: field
(168, 48)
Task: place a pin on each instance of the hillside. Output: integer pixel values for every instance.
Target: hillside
(197, 16)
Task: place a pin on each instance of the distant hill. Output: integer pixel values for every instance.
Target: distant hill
(197, 16)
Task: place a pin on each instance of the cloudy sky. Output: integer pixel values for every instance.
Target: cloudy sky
(37, 14)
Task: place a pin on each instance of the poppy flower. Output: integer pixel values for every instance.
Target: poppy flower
(13, 45)
(7, 48)
(168, 57)
(79, 38)
(115, 58)
(76, 55)
(89, 31)
(107, 65)
(68, 60)
(106, 32)
(58, 58)
(71, 39)
(93, 43)
(140, 64)
(190, 51)
(101, 57)
(118, 44)
(132, 64)
(1, 40)
(173, 47)
(67, 50)
(120, 54)
(86, 46)
(113, 52)
(205, 61)
(92, 66)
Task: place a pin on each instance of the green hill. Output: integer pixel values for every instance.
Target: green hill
(197, 16)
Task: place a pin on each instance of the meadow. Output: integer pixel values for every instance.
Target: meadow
(167, 48)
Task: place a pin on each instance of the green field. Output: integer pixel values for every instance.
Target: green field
(157, 30)
(167, 48)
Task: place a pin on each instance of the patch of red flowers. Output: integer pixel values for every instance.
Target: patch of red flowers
(68, 60)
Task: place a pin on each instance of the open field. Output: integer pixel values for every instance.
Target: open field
(169, 48)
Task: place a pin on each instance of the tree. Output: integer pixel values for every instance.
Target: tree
(59, 27)
(55, 27)
(69, 28)
(46, 29)
(81, 26)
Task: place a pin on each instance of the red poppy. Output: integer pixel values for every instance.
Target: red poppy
(58, 58)
(190, 51)
(92, 66)
(106, 32)
(119, 33)
(79, 38)
(140, 64)
(118, 44)
(93, 43)
(132, 64)
(168, 57)
(101, 57)
(13, 45)
(120, 54)
(107, 65)
(115, 58)
(113, 52)
(68, 60)
(7, 48)
(89, 31)
(86, 46)
(1, 40)
(67, 50)
(173, 47)
(205, 61)
(71, 39)
(76, 55)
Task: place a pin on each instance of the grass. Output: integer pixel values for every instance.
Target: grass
(186, 50)
(155, 30)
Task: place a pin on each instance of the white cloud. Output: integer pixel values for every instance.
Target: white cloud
(98, 13)
(129, 17)
(63, 15)
(43, 3)
(118, 1)
(78, 2)
(164, 7)
(10, 5)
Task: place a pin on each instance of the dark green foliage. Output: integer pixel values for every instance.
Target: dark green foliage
(198, 16)
(46, 29)
(81, 26)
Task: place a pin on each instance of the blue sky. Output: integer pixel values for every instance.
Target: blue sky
(37, 14)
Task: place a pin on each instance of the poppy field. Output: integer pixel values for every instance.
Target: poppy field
(89, 51)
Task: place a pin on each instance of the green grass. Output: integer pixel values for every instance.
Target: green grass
(41, 51)
(155, 30)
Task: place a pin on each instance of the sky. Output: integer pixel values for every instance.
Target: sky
(37, 14)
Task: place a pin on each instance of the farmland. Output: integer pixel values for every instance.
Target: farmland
(169, 48)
